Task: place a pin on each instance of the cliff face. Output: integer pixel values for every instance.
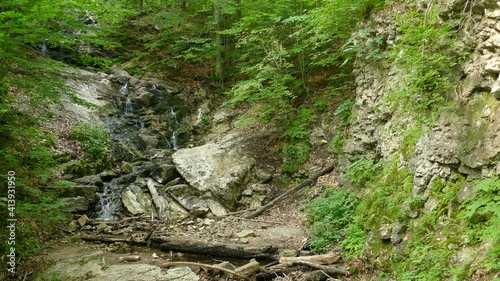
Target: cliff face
(441, 160)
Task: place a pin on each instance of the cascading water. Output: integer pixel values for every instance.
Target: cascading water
(175, 134)
(110, 203)
(124, 88)
(129, 109)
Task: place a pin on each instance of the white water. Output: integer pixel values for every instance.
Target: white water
(129, 109)
(110, 204)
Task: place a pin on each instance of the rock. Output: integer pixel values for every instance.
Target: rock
(263, 176)
(75, 204)
(126, 167)
(289, 253)
(86, 191)
(216, 208)
(146, 272)
(72, 227)
(80, 268)
(398, 232)
(126, 179)
(90, 180)
(83, 220)
(145, 98)
(385, 231)
(181, 274)
(495, 89)
(109, 175)
(173, 182)
(131, 204)
(102, 227)
(215, 171)
(245, 233)
(166, 173)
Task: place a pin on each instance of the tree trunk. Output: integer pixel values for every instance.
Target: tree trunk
(218, 42)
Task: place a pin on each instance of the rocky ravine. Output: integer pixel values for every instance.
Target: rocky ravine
(160, 194)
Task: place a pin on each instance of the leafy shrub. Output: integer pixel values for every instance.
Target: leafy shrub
(362, 170)
(329, 217)
(94, 140)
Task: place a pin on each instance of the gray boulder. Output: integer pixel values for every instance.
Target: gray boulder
(215, 171)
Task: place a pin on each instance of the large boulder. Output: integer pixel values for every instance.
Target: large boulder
(78, 268)
(216, 171)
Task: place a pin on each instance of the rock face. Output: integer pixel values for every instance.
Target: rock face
(215, 170)
(92, 267)
(462, 143)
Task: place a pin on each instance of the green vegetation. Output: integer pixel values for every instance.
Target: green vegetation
(94, 140)
(331, 220)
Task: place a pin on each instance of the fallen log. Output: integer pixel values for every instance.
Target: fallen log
(206, 266)
(214, 248)
(248, 269)
(319, 259)
(303, 184)
(330, 269)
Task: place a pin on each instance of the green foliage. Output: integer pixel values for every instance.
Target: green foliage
(482, 212)
(355, 240)
(330, 217)
(94, 140)
(362, 171)
(427, 52)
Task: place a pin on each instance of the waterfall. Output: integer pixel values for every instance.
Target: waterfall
(110, 203)
(129, 109)
(124, 89)
(175, 134)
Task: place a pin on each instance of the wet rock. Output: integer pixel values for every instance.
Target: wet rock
(79, 268)
(86, 191)
(126, 167)
(215, 171)
(75, 204)
(127, 179)
(216, 208)
(165, 173)
(109, 175)
(90, 180)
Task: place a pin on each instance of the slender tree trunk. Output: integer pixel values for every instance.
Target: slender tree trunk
(238, 9)
(218, 42)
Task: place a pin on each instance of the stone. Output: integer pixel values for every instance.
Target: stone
(109, 175)
(83, 220)
(495, 89)
(430, 205)
(181, 274)
(90, 180)
(398, 232)
(75, 204)
(86, 191)
(72, 227)
(145, 98)
(245, 233)
(126, 167)
(101, 226)
(385, 231)
(129, 200)
(216, 208)
(289, 253)
(165, 173)
(80, 268)
(215, 170)
(263, 176)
